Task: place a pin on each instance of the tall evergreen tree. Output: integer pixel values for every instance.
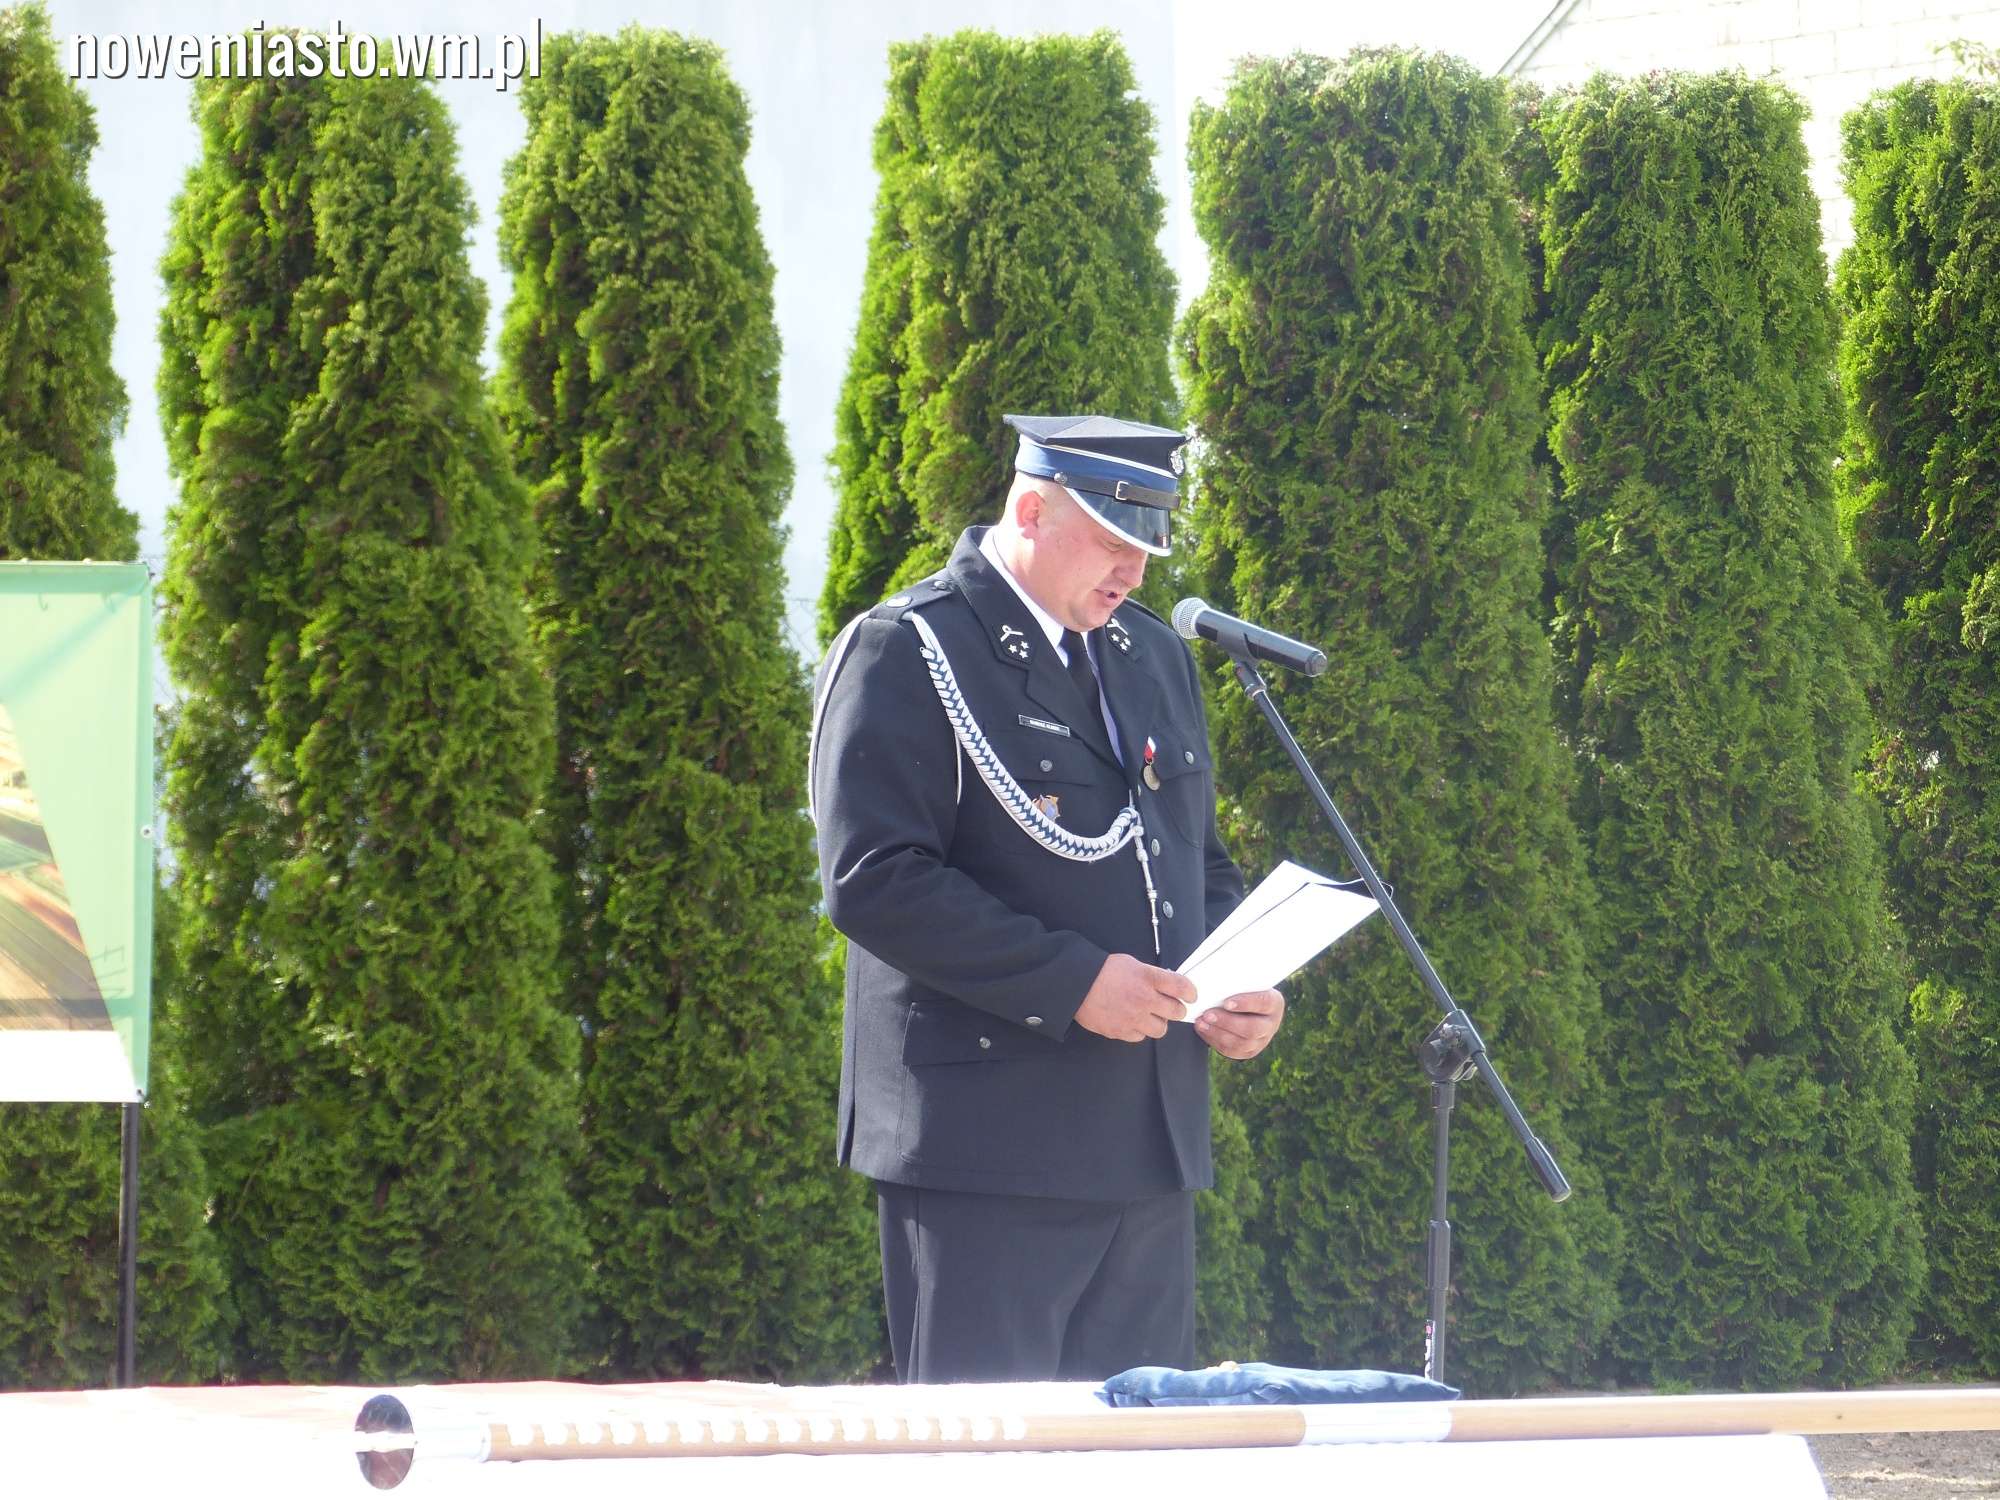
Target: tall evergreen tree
(1921, 291)
(61, 403)
(1360, 374)
(386, 1080)
(1710, 651)
(640, 389)
(1013, 267)
(61, 407)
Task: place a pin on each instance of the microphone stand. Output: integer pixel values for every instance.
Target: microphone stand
(1452, 1054)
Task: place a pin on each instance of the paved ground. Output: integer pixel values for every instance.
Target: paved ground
(1909, 1465)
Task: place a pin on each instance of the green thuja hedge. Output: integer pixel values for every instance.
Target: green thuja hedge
(1921, 291)
(61, 406)
(59, 1228)
(1232, 1306)
(1014, 266)
(378, 1055)
(1360, 372)
(640, 390)
(61, 403)
(1711, 652)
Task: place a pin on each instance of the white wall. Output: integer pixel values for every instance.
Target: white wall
(1834, 53)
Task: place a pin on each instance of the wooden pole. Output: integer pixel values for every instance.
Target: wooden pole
(1950, 1409)
(890, 1420)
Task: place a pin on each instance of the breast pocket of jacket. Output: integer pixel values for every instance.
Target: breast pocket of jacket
(1063, 780)
(1187, 785)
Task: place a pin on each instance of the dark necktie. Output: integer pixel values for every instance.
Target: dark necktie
(1079, 671)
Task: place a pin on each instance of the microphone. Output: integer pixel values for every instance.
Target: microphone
(1193, 617)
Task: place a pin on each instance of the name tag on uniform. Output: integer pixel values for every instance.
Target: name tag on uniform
(1044, 725)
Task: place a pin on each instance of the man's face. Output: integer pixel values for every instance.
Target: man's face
(1075, 569)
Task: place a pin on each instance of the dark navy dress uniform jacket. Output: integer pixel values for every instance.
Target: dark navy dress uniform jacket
(970, 945)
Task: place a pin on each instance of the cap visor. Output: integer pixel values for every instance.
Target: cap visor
(1144, 526)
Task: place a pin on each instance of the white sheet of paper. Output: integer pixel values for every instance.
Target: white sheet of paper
(1282, 925)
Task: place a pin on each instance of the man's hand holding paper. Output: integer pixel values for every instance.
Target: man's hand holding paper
(1242, 1025)
(1290, 917)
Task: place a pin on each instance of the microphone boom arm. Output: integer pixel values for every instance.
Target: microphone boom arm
(1539, 1156)
(1451, 1054)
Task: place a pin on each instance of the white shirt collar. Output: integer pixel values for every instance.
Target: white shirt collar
(1051, 627)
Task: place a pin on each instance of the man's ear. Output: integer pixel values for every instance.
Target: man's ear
(1028, 512)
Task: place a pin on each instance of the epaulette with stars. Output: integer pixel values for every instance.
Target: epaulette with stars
(1121, 636)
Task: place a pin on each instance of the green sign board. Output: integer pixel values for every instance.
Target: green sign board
(76, 830)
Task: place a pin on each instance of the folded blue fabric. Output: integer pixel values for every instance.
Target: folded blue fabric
(1268, 1385)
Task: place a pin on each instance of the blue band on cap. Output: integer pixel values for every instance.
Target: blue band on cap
(1160, 486)
(1132, 500)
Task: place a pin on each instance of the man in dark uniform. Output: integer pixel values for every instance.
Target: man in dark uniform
(1011, 780)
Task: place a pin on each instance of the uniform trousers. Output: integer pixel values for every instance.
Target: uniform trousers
(986, 1286)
